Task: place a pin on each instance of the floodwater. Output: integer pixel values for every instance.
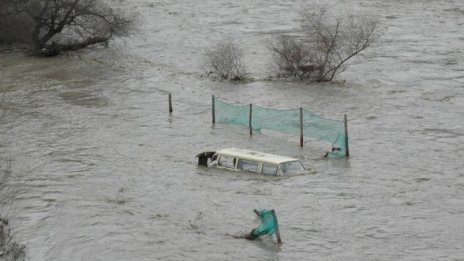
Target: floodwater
(104, 172)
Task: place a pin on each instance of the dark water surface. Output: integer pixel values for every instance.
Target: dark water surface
(107, 174)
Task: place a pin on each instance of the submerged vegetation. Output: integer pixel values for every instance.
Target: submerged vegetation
(316, 52)
(325, 44)
(9, 249)
(225, 61)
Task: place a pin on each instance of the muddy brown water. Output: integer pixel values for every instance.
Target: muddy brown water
(106, 173)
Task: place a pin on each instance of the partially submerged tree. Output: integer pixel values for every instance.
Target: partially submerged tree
(225, 60)
(291, 56)
(327, 42)
(60, 25)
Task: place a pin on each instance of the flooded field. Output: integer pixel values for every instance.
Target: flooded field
(106, 173)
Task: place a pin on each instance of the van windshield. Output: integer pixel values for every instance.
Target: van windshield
(292, 167)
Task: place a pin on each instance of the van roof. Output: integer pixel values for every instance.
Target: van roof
(254, 155)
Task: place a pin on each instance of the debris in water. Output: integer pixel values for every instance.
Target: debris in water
(269, 225)
(194, 223)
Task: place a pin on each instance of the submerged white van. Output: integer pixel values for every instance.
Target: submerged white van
(251, 161)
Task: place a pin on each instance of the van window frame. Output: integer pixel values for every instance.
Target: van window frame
(263, 165)
(229, 159)
(248, 162)
(280, 172)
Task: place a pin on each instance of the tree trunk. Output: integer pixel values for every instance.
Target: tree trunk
(55, 49)
(36, 38)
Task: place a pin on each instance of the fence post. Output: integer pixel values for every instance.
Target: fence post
(301, 127)
(249, 122)
(347, 154)
(170, 103)
(277, 231)
(214, 109)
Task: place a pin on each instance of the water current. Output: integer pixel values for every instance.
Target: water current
(104, 172)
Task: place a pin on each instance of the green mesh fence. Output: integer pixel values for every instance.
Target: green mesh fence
(285, 121)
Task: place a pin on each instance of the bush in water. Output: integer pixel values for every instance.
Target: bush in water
(320, 50)
(225, 60)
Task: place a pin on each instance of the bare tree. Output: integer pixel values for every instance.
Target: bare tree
(14, 27)
(225, 60)
(290, 55)
(60, 25)
(327, 42)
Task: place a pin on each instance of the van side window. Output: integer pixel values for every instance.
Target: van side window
(269, 169)
(227, 162)
(291, 167)
(247, 165)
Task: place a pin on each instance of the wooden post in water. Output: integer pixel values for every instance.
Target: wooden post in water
(346, 137)
(279, 240)
(170, 103)
(301, 127)
(214, 110)
(277, 231)
(249, 122)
